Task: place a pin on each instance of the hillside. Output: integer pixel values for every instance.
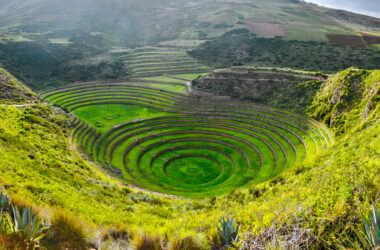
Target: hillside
(173, 125)
(136, 23)
(49, 43)
(315, 203)
(13, 91)
(283, 88)
(240, 47)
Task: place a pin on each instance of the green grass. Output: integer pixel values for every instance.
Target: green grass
(162, 79)
(170, 87)
(100, 115)
(136, 65)
(152, 56)
(375, 46)
(168, 68)
(170, 71)
(191, 76)
(156, 62)
(39, 163)
(155, 145)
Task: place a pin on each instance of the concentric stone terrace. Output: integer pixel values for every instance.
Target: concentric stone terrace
(186, 145)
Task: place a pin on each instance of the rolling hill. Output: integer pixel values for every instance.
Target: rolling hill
(131, 22)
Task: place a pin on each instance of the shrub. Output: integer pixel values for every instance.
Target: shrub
(4, 203)
(26, 229)
(148, 242)
(187, 243)
(370, 230)
(68, 231)
(227, 232)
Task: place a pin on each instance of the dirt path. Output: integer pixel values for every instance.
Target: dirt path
(20, 105)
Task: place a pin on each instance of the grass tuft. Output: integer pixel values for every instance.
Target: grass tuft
(145, 241)
(187, 243)
(69, 231)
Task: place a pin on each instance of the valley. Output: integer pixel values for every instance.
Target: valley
(152, 136)
(188, 125)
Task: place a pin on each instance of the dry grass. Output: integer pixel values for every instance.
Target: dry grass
(12, 242)
(70, 232)
(116, 233)
(187, 243)
(281, 236)
(147, 242)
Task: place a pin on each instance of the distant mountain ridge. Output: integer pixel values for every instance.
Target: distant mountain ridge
(52, 43)
(140, 22)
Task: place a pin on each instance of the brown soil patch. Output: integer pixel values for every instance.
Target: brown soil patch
(371, 39)
(355, 41)
(266, 30)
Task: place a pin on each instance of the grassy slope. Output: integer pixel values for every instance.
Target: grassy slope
(13, 91)
(325, 195)
(39, 164)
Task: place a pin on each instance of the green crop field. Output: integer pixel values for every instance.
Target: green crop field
(156, 136)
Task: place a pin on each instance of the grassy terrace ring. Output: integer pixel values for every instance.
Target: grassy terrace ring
(191, 146)
(155, 61)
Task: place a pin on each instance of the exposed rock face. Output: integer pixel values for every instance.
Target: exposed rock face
(371, 104)
(276, 88)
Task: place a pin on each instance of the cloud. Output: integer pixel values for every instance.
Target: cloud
(366, 7)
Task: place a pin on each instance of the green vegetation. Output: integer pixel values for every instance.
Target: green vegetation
(140, 159)
(19, 230)
(49, 48)
(352, 87)
(58, 64)
(282, 88)
(190, 76)
(41, 166)
(319, 199)
(178, 144)
(161, 79)
(227, 232)
(240, 47)
(151, 61)
(68, 231)
(13, 91)
(371, 229)
(182, 23)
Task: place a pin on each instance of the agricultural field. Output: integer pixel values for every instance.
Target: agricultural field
(158, 137)
(157, 61)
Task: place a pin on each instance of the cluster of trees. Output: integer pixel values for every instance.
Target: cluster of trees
(240, 47)
(36, 63)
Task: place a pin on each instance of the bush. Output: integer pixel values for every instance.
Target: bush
(370, 230)
(68, 231)
(227, 232)
(148, 242)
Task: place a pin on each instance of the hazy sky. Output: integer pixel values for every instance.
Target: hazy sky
(367, 7)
